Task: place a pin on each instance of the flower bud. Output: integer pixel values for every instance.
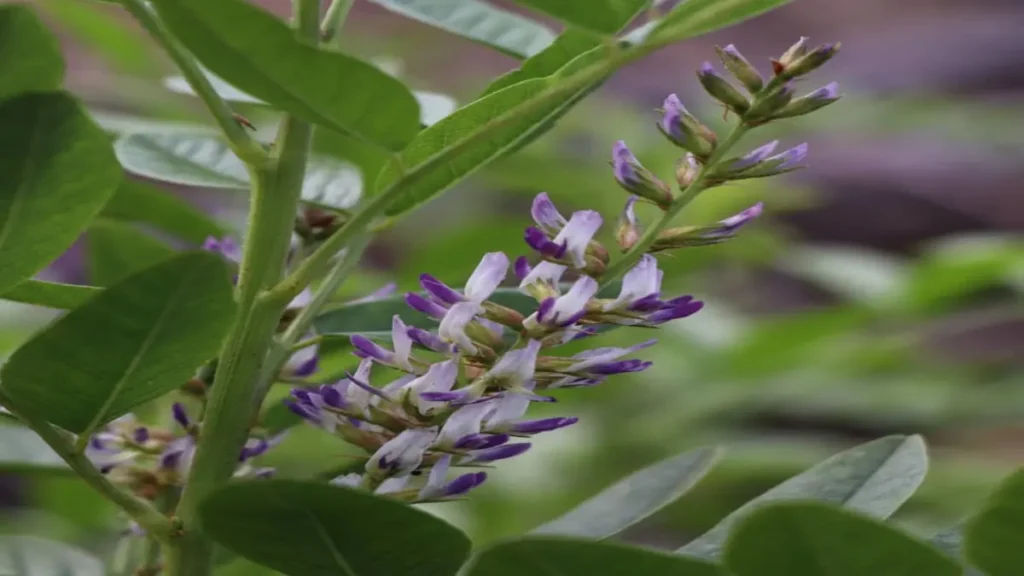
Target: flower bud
(809, 61)
(627, 232)
(684, 130)
(765, 105)
(806, 104)
(786, 161)
(740, 67)
(687, 169)
(793, 53)
(721, 89)
(688, 236)
(636, 179)
(502, 314)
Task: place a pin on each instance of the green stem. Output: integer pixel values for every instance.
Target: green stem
(276, 190)
(145, 514)
(335, 18)
(620, 266)
(242, 144)
(285, 346)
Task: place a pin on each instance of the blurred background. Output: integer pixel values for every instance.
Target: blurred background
(880, 294)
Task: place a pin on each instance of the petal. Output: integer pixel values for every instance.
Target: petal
(521, 268)
(603, 355)
(453, 325)
(464, 422)
(429, 340)
(517, 365)
(439, 290)
(366, 348)
(402, 342)
(642, 280)
(544, 272)
(421, 304)
(543, 425)
(578, 233)
(302, 300)
(570, 306)
(437, 479)
(464, 483)
(508, 408)
(403, 453)
(393, 484)
(488, 275)
(499, 453)
(546, 215)
(378, 294)
(351, 480)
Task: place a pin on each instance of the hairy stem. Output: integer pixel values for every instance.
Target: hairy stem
(620, 266)
(142, 512)
(242, 144)
(275, 196)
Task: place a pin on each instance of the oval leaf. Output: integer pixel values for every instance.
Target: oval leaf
(58, 172)
(812, 539)
(134, 342)
(993, 537)
(695, 17)
(314, 529)
(256, 52)
(873, 478)
(565, 48)
(140, 202)
(116, 250)
(30, 59)
(30, 556)
(22, 450)
(202, 159)
(433, 106)
(634, 498)
(602, 16)
(564, 557)
(51, 294)
(510, 33)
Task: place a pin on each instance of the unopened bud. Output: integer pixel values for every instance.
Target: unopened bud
(769, 103)
(636, 179)
(740, 67)
(792, 54)
(687, 170)
(690, 236)
(502, 314)
(773, 165)
(595, 267)
(684, 130)
(810, 61)
(721, 89)
(627, 231)
(597, 250)
(806, 104)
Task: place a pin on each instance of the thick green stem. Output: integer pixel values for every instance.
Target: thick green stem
(242, 144)
(336, 15)
(619, 267)
(275, 196)
(145, 514)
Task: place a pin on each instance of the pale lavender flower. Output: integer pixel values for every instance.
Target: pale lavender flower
(454, 323)
(566, 309)
(577, 234)
(641, 284)
(403, 453)
(754, 157)
(400, 357)
(546, 215)
(547, 274)
(463, 426)
(485, 279)
(438, 378)
(438, 486)
(790, 158)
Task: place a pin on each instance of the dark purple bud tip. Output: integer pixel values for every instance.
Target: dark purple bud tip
(106, 469)
(620, 367)
(648, 303)
(501, 452)
(180, 415)
(250, 452)
(331, 396)
(543, 425)
(307, 367)
(480, 441)
(706, 69)
(140, 435)
(421, 304)
(97, 443)
(539, 241)
(521, 268)
(464, 483)
(455, 397)
(439, 289)
(170, 460)
(302, 411)
(829, 91)
(366, 348)
(302, 396)
(544, 310)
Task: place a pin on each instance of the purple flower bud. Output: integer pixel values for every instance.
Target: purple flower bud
(498, 453)
(302, 396)
(677, 311)
(332, 396)
(171, 460)
(421, 304)
(741, 68)
(140, 435)
(791, 157)
(521, 268)
(304, 411)
(720, 88)
(620, 367)
(829, 91)
(753, 158)
(429, 340)
(366, 348)
(480, 441)
(672, 120)
(706, 69)
(546, 215)
(464, 483)
(540, 242)
(307, 367)
(732, 223)
(543, 425)
(253, 448)
(439, 290)
(180, 415)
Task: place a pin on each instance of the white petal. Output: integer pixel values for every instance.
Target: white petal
(642, 280)
(577, 234)
(488, 275)
(575, 300)
(453, 325)
(546, 272)
(402, 342)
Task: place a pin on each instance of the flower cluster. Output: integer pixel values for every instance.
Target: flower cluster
(149, 460)
(467, 384)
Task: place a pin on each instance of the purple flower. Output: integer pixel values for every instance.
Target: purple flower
(706, 69)
(546, 215)
(521, 268)
(499, 453)
(464, 424)
(542, 425)
(625, 166)
(403, 453)
(567, 309)
(540, 242)
(577, 234)
(454, 323)
(439, 377)
(641, 283)
(429, 340)
(790, 158)
(675, 309)
(425, 306)
(437, 485)
(399, 358)
(226, 247)
(829, 91)
(515, 368)
(754, 157)
(547, 274)
(180, 415)
(484, 280)
(729, 226)
(672, 118)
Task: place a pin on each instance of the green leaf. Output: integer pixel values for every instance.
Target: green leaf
(813, 539)
(22, 450)
(30, 59)
(134, 342)
(956, 267)
(116, 250)
(565, 48)
(58, 172)
(695, 17)
(146, 204)
(601, 16)
(50, 294)
(104, 31)
(633, 498)
(564, 557)
(992, 537)
(477, 21)
(433, 106)
(259, 54)
(873, 478)
(201, 159)
(951, 542)
(30, 556)
(314, 529)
